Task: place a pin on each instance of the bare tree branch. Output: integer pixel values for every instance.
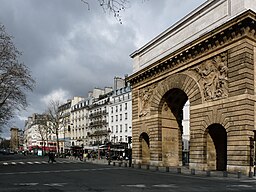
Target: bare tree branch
(88, 5)
(112, 6)
(15, 79)
(54, 118)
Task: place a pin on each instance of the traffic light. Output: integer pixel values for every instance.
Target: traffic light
(129, 139)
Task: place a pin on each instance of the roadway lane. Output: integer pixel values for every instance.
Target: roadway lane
(79, 176)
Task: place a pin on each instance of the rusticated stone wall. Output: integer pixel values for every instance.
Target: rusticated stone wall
(216, 73)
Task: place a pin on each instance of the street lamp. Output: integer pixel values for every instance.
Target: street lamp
(114, 145)
(130, 150)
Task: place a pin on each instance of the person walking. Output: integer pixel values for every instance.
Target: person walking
(51, 157)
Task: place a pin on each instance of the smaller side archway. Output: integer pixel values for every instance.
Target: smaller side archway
(144, 148)
(216, 140)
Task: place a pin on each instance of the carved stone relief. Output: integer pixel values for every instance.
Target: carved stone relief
(213, 77)
(144, 100)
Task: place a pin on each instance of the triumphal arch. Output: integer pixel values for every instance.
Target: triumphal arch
(209, 59)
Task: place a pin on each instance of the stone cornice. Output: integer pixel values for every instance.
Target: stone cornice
(242, 25)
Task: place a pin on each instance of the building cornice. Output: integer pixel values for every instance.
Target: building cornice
(242, 25)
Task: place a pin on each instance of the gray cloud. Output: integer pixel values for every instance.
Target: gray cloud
(71, 49)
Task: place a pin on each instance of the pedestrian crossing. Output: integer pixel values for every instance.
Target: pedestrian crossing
(37, 162)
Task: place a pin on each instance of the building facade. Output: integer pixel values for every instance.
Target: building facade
(208, 58)
(120, 115)
(15, 140)
(38, 134)
(64, 126)
(98, 133)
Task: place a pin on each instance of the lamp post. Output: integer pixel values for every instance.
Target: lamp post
(64, 139)
(98, 147)
(114, 145)
(130, 151)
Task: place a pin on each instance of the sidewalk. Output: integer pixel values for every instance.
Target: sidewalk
(174, 170)
(94, 161)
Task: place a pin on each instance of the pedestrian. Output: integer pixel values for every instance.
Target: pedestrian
(51, 157)
(85, 156)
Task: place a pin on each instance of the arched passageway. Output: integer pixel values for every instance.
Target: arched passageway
(145, 148)
(216, 147)
(172, 126)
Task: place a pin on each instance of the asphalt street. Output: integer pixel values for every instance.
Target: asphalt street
(36, 174)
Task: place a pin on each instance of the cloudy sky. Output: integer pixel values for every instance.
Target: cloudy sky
(70, 49)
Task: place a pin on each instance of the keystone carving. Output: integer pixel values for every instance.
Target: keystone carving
(213, 73)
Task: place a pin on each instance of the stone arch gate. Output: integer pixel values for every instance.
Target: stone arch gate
(216, 73)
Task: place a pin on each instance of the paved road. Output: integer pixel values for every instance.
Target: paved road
(79, 176)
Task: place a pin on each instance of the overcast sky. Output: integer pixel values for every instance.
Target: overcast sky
(70, 49)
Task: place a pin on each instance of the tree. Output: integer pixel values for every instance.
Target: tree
(112, 6)
(15, 79)
(54, 119)
(43, 128)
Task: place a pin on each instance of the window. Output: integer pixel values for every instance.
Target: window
(112, 119)
(112, 129)
(120, 117)
(125, 107)
(116, 128)
(121, 107)
(121, 129)
(126, 127)
(111, 109)
(125, 116)
(121, 139)
(116, 108)
(116, 117)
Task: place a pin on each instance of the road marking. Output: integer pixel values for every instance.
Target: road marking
(136, 185)
(37, 162)
(26, 184)
(44, 162)
(55, 184)
(243, 186)
(166, 186)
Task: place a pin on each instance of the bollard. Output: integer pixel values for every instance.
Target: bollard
(157, 168)
(109, 162)
(125, 164)
(167, 169)
(147, 167)
(139, 166)
(193, 171)
(119, 164)
(225, 174)
(132, 165)
(179, 170)
(251, 174)
(114, 163)
(208, 173)
(239, 174)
